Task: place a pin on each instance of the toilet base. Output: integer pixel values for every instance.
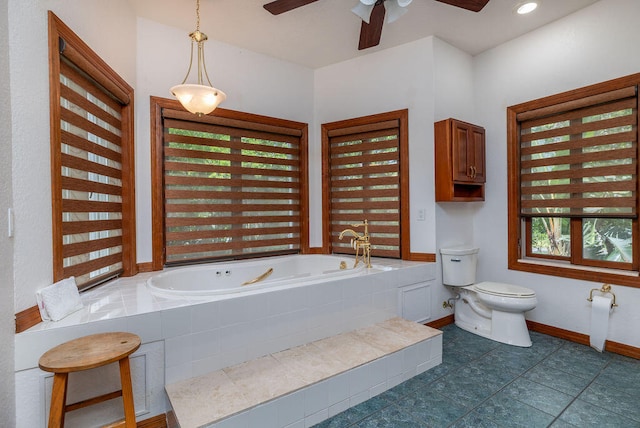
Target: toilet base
(504, 327)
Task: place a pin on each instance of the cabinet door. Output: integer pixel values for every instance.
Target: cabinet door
(468, 153)
(460, 149)
(477, 134)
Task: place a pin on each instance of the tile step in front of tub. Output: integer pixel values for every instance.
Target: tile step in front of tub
(302, 386)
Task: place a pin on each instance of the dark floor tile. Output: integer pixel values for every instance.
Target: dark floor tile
(391, 417)
(436, 373)
(464, 389)
(623, 374)
(538, 396)
(557, 379)
(357, 413)
(559, 423)
(575, 365)
(432, 408)
(474, 420)
(516, 361)
(407, 387)
(583, 414)
(614, 399)
(511, 413)
(489, 372)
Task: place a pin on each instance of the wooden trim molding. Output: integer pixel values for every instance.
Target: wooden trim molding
(220, 115)
(64, 42)
(316, 250)
(422, 257)
(439, 323)
(366, 122)
(145, 267)
(159, 421)
(583, 339)
(27, 319)
(516, 249)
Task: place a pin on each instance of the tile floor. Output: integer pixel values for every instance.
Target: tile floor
(482, 383)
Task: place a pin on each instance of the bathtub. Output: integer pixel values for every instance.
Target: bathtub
(247, 275)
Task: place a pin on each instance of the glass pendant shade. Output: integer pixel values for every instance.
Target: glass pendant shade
(198, 99)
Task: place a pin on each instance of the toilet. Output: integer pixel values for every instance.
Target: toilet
(490, 309)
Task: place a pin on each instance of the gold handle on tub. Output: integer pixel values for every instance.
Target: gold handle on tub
(259, 278)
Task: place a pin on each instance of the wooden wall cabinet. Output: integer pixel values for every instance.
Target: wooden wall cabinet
(460, 161)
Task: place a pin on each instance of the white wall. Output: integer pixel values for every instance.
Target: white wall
(383, 81)
(593, 45)
(7, 325)
(254, 83)
(453, 98)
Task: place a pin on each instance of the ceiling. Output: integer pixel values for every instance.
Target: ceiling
(327, 32)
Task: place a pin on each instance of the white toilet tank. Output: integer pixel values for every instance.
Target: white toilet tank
(459, 265)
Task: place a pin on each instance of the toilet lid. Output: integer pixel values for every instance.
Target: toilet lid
(506, 290)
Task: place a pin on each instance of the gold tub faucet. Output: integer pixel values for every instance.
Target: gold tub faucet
(360, 243)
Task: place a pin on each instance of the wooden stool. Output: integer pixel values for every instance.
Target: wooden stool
(86, 353)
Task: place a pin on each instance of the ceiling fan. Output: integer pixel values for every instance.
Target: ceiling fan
(373, 13)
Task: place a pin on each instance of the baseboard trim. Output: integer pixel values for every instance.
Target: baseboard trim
(583, 339)
(422, 257)
(159, 421)
(27, 319)
(439, 323)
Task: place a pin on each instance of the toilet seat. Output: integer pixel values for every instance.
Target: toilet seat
(504, 290)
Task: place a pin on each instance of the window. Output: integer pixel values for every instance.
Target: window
(573, 167)
(92, 163)
(365, 162)
(227, 185)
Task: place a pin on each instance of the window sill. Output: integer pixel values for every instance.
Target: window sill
(587, 273)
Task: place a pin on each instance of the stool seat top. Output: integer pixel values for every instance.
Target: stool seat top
(88, 352)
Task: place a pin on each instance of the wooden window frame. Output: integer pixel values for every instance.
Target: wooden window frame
(518, 235)
(89, 63)
(402, 116)
(157, 170)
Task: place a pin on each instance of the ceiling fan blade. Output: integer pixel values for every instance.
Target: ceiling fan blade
(472, 5)
(370, 33)
(281, 6)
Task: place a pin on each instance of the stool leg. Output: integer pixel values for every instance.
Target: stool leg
(58, 400)
(127, 393)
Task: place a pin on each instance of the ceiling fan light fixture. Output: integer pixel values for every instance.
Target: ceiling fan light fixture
(363, 11)
(526, 7)
(395, 10)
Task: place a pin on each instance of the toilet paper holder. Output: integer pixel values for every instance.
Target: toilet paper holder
(606, 289)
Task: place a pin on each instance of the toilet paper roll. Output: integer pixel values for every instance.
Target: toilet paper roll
(600, 310)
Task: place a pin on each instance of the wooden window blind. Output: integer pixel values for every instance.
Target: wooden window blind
(364, 170)
(578, 159)
(232, 188)
(92, 165)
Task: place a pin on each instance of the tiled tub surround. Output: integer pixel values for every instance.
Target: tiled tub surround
(307, 384)
(198, 335)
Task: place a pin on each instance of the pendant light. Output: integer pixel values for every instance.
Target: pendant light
(198, 98)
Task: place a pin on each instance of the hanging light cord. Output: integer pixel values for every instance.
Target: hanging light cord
(198, 37)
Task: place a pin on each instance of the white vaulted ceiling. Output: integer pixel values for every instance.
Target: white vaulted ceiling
(326, 32)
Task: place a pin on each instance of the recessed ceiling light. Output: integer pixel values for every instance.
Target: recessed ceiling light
(527, 7)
